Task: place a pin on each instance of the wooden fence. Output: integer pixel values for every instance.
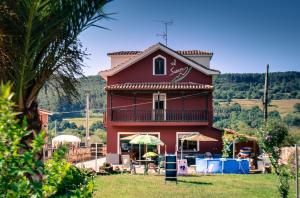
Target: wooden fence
(78, 154)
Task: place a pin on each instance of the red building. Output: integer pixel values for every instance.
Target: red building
(162, 92)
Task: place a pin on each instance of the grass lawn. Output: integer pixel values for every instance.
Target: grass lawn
(140, 186)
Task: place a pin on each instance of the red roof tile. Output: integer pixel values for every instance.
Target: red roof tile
(159, 86)
(124, 53)
(181, 52)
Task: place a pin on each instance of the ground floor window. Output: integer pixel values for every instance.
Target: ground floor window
(137, 151)
(190, 146)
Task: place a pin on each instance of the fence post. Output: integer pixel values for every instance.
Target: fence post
(296, 159)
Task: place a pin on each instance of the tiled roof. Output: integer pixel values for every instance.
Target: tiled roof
(181, 52)
(194, 52)
(159, 86)
(124, 53)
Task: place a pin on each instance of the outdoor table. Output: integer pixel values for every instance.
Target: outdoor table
(146, 165)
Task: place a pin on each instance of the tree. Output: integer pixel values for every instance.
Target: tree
(97, 125)
(39, 48)
(297, 108)
(271, 138)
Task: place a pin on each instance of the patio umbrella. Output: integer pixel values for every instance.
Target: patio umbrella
(62, 139)
(130, 137)
(149, 154)
(198, 138)
(147, 140)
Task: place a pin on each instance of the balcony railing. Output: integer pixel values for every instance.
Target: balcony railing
(159, 115)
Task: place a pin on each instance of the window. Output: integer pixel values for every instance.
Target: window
(159, 65)
(187, 145)
(159, 106)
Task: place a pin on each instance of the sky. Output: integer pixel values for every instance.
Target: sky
(244, 35)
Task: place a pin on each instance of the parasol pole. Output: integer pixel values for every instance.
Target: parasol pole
(96, 156)
(181, 148)
(139, 154)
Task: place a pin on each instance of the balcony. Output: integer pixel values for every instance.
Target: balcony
(155, 117)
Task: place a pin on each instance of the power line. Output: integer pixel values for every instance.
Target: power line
(132, 105)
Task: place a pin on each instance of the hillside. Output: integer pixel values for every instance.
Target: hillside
(283, 85)
(284, 106)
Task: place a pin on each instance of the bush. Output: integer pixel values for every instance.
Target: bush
(23, 174)
(20, 171)
(67, 180)
(272, 137)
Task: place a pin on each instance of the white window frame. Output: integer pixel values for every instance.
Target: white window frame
(165, 65)
(133, 133)
(165, 104)
(185, 133)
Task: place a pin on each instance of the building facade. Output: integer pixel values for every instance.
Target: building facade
(161, 92)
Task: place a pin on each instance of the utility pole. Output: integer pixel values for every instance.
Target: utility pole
(55, 127)
(164, 35)
(87, 117)
(265, 102)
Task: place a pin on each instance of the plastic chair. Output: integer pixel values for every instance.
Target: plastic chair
(210, 169)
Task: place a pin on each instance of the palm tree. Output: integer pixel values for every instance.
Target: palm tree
(39, 45)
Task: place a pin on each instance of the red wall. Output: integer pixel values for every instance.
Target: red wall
(142, 71)
(168, 136)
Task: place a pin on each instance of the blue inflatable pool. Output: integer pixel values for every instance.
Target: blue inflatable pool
(222, 165)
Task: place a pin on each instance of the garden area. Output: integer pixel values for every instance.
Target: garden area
(257, 185)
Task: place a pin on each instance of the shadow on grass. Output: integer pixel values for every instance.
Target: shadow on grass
(195, 182)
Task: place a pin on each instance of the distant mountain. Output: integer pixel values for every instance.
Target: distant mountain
(283, 85)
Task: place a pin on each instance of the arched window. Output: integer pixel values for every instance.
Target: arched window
(159, 65)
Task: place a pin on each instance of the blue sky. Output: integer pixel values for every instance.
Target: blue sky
(244, 35)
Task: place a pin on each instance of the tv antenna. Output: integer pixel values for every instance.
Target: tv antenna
(164, 35)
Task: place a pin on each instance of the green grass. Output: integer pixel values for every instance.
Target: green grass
(151, 186)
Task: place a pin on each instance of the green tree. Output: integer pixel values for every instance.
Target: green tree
(97, 125)
(39, 48)
(297, 108)
(272, 137)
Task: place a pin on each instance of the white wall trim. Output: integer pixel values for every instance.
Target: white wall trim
(132, 133)
(150, 50)
(186, 133)
(153, 65)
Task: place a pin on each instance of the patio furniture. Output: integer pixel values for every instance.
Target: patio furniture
(160, 163)
(127, 164)
(146, 162)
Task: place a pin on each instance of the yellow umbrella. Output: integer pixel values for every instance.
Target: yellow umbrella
(199, 138)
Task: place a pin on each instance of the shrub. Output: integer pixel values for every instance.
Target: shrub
(23, 174)
(272, 137)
